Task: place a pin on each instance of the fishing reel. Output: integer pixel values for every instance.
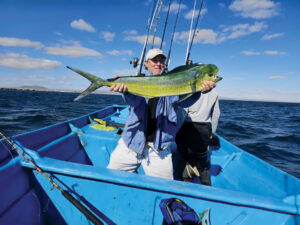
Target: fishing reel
(189, 62)
(134, 62)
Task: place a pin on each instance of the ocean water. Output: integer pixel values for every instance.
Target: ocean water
(268, 130)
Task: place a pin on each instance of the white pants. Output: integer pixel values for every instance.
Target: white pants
(155, 163)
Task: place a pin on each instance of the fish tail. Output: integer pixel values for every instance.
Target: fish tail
(96, 82)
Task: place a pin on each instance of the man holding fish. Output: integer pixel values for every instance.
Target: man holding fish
(148, 138)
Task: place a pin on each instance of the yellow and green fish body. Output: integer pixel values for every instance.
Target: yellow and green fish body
(181, 80)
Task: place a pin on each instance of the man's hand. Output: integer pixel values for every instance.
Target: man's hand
(208, 85)
(118, 88)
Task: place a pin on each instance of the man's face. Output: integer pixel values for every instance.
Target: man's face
(156, 65)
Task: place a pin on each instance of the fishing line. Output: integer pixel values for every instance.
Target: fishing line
(166, 22)
(195, 28)
(171, 42)
(65, 193)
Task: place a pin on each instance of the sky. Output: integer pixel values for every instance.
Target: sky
(254, 43)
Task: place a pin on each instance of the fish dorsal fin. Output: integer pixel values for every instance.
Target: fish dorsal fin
(183, 67)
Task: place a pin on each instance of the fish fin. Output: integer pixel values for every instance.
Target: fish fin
(185, 97)
(96, 82)
(88, 76)
(183, 67)
(87, 91)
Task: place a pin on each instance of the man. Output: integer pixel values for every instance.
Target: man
(194, 136)
(149, 134)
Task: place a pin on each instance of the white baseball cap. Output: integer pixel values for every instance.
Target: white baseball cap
(152, 53)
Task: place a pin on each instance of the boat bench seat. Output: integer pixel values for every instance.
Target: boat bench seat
(36, 139)
(67, 148)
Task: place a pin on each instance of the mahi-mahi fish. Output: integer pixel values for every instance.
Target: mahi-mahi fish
(183, 80)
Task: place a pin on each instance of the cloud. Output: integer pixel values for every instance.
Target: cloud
(58, 33)
(256, 9)
(69, 42)
(82, 25)
(291, 73)
(148, 2)
(35, 78)
(250, 53)
(17, 61)
(222, 5)
(17, 42)
(108, 36)
(271, 52)
(123, 52)
(209, 36)
(204, 36)
(142, 38)
(257, 94)
(71, 77)
(74, 51)
(190, 13)
(277, 77)
(267, 52)
(21, 80)
(238, 78)
(174, 7)
(130, 32)
(125, 72)
(271, 36)
(239, 30)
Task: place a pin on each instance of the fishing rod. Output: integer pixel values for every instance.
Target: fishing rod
(135, 61)
(139, 71)
(65, 193)
(190, 33)
(163, 36)
(195, 28)
(154, 33)
(171, 42)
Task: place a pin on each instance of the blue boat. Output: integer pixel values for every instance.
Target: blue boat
(245, 190)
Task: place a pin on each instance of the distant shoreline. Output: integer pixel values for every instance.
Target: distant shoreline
(55, 90)
(115, 93)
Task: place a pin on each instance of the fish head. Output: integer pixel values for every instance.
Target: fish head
(208, 72)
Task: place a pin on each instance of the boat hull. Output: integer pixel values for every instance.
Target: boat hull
(245, 190)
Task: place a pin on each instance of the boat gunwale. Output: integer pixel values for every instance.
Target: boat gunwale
(180, 188)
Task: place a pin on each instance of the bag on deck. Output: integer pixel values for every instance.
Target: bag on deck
(176, 212)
